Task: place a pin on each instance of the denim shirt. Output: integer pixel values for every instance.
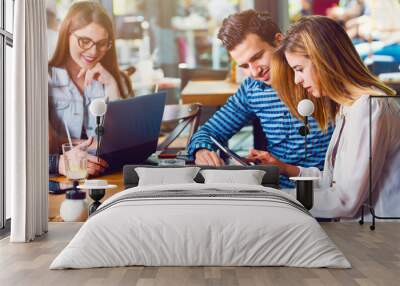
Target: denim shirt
(67, 104)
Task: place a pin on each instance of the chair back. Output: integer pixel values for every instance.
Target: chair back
(185, 115)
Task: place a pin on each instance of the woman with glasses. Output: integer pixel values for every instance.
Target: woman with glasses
(84, 67)
(320, 62)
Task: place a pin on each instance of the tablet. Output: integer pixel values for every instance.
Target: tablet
(242, 161)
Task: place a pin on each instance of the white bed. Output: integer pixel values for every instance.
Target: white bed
(257, 226)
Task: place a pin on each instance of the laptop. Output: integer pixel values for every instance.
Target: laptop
(131, 130)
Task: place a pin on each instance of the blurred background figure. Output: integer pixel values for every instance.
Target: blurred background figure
(345, 11)
(300, 8)
(380, 27)
(52, 27)
(321, 7)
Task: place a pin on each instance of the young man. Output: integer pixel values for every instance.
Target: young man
(251, 37)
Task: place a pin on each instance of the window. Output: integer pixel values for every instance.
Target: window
(9, 15)
(6, 43)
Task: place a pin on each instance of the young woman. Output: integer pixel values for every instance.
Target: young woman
(319, 62)
(84, 67)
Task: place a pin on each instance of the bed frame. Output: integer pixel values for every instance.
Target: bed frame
(270, 179)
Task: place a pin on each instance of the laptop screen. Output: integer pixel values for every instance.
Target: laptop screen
(132, 122)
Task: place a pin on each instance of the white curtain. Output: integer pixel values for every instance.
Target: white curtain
(27, 124)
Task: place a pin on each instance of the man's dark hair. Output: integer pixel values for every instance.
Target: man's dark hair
(237, 26)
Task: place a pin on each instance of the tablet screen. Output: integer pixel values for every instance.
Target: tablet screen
(230, 153)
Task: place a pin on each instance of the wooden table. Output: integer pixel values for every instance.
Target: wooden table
(56, 200)
(163, 83)
(209, 92)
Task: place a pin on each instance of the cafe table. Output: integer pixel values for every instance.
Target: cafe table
(208, 92)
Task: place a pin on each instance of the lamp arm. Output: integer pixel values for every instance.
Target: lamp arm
(99, 132)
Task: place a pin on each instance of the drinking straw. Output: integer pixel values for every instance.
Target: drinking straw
(69, 135)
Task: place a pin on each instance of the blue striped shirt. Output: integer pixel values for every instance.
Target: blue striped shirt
(257, 99)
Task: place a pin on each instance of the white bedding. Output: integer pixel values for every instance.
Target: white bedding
(183, 231)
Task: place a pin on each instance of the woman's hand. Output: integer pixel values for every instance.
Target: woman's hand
(95, 165)
(267, 159)
(262, 156)
(99, 73)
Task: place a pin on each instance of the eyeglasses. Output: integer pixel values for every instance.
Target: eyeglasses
(86, 43)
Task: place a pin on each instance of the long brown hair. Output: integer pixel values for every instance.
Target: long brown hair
(337, 68)
(80, 15)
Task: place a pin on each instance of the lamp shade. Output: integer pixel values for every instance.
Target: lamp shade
(305, 107)
(98, 107)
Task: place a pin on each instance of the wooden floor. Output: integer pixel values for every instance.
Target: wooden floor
(375, 257)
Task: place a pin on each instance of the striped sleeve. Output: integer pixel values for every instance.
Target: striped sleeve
(227, 121)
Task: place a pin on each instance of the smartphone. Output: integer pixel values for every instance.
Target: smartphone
(57, 188)
(168, 153)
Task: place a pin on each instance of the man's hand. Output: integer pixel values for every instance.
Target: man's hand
(207, 157)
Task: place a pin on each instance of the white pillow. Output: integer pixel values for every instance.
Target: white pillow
(166, 176)
(248, 177)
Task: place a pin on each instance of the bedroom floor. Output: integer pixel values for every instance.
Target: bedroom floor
(375, 257)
